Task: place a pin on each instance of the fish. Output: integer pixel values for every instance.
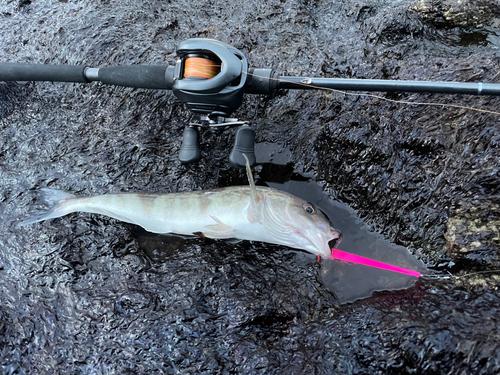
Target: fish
(237, 212)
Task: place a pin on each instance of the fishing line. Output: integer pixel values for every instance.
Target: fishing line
(357, 259)
(205, 68)
(475, 273)
(450, 276)
(305, 84)
(202, 67)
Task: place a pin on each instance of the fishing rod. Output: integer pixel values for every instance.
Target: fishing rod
(210, 77)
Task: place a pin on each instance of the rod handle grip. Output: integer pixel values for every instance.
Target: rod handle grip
(42, 72)
(140, 76)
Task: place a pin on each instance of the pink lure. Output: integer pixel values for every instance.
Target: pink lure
(348, 257)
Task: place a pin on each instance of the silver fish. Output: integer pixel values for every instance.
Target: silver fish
(241, 212)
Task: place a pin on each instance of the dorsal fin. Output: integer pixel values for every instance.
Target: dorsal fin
(253, 189)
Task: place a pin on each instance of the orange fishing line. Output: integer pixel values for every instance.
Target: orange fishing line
(200, 67)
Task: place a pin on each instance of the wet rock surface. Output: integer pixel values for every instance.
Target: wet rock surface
(83, 294)
(466, 13)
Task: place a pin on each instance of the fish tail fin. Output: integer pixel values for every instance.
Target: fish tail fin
(55, 199)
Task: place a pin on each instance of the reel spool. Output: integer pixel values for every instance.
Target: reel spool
(200, 67)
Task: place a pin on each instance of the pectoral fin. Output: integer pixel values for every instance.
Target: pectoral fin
(218, 230)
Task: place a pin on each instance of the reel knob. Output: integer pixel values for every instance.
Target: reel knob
(190, 148)
(243, 144)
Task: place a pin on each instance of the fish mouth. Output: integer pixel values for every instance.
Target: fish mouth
(336, 238)
(335, 242)
(327, 241)
(330, 239)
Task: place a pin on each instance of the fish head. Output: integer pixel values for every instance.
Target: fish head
(301, 225)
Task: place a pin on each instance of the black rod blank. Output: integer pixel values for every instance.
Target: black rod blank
(307, 83)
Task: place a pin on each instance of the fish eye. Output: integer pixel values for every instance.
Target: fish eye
(310, 209)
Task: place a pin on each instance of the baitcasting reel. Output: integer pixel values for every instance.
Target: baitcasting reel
(210, 78)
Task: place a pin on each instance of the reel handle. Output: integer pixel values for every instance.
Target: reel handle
(244, 143)
(190, 148)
